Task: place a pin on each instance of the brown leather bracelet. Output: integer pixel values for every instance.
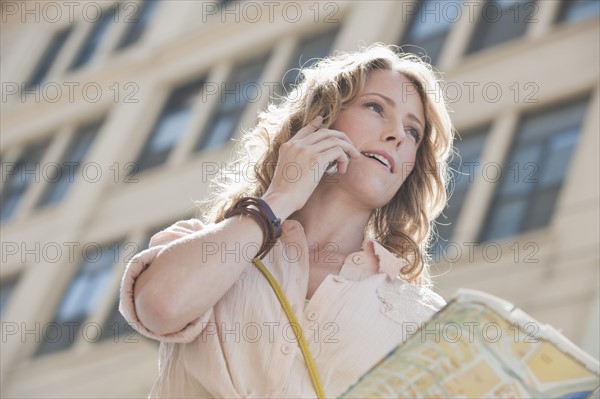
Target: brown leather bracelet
(262, 213)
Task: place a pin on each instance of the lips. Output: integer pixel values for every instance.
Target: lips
(382, 157)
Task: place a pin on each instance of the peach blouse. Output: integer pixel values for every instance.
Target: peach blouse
(245, 347)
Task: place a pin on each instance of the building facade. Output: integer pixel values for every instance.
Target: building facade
(116, 115)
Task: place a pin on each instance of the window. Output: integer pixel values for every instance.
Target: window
(6, 289)
(95, 38)
(116, 328)
(171, 125)
(429, 27)
(81, 298)
(464, 167)
(501, 21)
(534, 171)
(242, 88)
(308, 52)
(578, 10)
(45, 63)
(137, 24)
(62, 176)
(19, 176)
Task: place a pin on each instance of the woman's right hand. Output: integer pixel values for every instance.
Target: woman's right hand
(193, 264)
(302, 163)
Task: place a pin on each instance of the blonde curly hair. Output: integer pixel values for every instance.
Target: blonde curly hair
(404, 225)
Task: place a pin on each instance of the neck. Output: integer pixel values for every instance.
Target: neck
(333, 216)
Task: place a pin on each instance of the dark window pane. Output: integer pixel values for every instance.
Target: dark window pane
(19, 176)
(558, 159)
(243, 87)
(6, 289)
(537, 165)
(68, 168)
(578, 10)
(506, 218)
(537, 128)
(171, 125)
(222, 129)
(501, 21)
(116, 328)
(168, 130)
(81, 298)
(45, 63)
(540, 209)
(520, 171)
(309, 51)
(95, 38)
(137, 23)
(465, 165)
(429, 27)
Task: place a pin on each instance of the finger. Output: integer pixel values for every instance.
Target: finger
(326, 133)
(322, 142)
(339, 156)
(331, 142)
(343, 166)
(312, 127)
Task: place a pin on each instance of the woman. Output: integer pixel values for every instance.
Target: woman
(353, 164)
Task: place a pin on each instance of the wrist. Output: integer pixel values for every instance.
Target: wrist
(259, 210)
(279, 204)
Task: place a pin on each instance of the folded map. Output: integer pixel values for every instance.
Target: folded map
(480, 346)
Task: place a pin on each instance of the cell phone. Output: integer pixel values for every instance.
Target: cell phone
(332, 168)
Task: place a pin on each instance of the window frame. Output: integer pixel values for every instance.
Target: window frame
(90, 128)
(148, 159)
(407, 38)
(484, 33)
(108, 273)
(485, 232)
(221, 109)
(84, 56)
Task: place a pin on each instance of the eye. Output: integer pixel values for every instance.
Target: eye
(415, 133)
(375, 107)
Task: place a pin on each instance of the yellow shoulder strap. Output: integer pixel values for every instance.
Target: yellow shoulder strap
(312, 369)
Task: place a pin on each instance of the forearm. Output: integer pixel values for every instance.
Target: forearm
(193, 273)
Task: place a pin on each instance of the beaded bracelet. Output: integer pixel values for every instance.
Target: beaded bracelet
(261, 212)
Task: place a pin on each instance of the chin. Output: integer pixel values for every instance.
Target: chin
(374, 192)
(375, 197)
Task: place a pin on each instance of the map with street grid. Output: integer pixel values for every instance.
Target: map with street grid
(479, 346)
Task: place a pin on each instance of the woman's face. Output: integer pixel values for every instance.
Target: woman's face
(386, 125)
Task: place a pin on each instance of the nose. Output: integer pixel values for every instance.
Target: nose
(395, 132)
